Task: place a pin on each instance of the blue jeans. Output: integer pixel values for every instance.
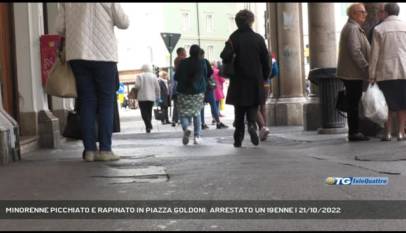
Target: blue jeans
(187, 121)
(95, 81)
(218, 106)
(213, 107)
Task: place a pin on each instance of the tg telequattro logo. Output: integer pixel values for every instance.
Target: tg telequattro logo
(357, 180)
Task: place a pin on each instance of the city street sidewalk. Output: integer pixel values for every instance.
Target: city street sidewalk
(290, 165)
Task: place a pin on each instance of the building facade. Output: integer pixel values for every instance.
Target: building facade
(206, 24)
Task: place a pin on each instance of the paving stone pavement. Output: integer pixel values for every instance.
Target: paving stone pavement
(290, 165)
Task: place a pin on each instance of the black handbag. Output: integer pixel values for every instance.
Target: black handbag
(342, 101)
(159, 114)
(228, 55)
(72, 127)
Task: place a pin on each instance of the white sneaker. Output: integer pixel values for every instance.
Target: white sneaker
(89, 156)
(186, 135)
(197, 140)
(106, 156)
(263, 134)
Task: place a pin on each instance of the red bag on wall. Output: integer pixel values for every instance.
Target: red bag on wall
(49, 45)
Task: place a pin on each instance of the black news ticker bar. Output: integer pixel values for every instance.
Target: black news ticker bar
(69, 209)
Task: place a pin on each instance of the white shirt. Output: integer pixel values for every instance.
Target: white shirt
(388, 53)
(148, 87)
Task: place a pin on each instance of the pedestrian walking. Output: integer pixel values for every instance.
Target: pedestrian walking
(181, 54)
(251, 68)
(190, 93)
(261, 115)
(209, 96)
(148, 91)
(387, 66)
(164, 102)
(92, 54)
(352, 67)
(219, 90)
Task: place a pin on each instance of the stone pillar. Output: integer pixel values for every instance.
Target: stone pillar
(60, 106)
(323, 54)
(35, 118)
(286, 106)
(322, 35)
(273, 42)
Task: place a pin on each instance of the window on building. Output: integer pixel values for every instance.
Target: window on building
(185, 21)
(209, 23)
(210, 53)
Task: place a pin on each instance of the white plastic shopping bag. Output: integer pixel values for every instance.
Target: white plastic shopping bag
(374, 104)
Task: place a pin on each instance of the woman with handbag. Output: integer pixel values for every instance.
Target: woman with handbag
(92, 54)
(246, 53)
(148, 91)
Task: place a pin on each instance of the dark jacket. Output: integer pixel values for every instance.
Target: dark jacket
(370, 32)
(208, 72)
(209, 69)
(186, 83)
(251, 68)
(164, 94)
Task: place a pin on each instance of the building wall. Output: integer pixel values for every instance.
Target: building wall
(142, 42)
(216, 24)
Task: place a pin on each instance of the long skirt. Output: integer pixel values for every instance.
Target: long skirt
(190, 105)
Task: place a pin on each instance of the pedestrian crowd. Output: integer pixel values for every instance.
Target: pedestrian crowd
(377, 57)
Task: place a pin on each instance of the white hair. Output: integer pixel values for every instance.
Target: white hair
(351, 8)
(146, 68)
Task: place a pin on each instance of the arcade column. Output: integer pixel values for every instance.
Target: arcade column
(286, 105)
(323, 54)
